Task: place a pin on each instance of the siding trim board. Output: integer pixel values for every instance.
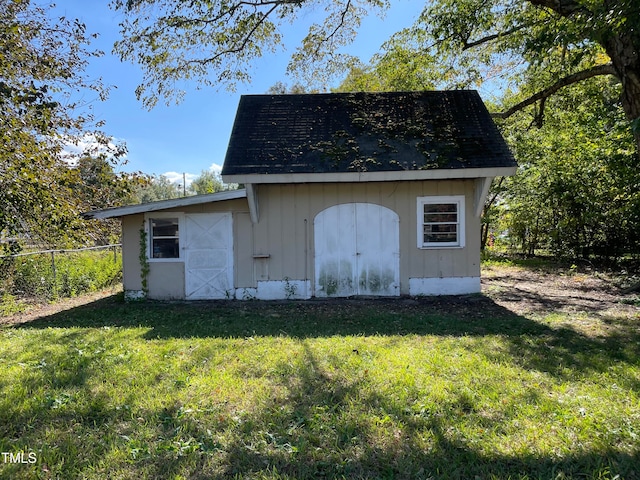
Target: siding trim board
(252, 198)
(133, 295)
(360, 177)
(166, 204)
(482, 189)
(444, 286)
(283, 289)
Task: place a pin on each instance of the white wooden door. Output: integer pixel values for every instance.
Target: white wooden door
(208, 256)
(357, 251)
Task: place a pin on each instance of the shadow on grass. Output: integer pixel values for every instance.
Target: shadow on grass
(323, 427)
(532, 344)
(463, 315)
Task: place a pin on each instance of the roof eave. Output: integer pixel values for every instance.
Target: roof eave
(356, 177)
(165, 204)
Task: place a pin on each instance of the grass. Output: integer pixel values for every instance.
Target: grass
(427, 388)
(543, 263)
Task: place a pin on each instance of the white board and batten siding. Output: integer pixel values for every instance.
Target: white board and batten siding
(357, 251)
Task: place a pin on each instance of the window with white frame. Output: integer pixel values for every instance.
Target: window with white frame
(164, 237)
(441, 221)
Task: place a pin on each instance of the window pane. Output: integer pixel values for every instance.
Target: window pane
(441, 221)
(164, 227)
(440, 217)
(166, 248)
(441, 233)
(446, 237)
(440, 208)
(446, 228)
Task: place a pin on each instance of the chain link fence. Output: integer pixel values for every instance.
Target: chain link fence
(50, 274)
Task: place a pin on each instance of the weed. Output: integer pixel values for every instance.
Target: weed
(10, 305)
(290, 289)
(75, 273)
(143, 258)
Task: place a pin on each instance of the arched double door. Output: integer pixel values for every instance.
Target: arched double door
(357, 251)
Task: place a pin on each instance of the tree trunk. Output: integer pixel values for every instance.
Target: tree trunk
(624, 51)
(484, 236)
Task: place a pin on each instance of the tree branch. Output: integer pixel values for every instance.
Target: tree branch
(338, 27)
(180, 22)
(342, 17)
(467, 45)
(606, 69)
(235, 49)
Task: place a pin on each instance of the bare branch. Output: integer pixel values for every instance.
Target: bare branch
(606, 69)
(489, 38)
(342, 17)
(335, 30)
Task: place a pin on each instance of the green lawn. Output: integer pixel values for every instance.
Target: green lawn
(427, 388)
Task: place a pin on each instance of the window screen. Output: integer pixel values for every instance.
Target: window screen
(165, 239)
(440, 223)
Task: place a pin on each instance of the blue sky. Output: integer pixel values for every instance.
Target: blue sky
(193, 136)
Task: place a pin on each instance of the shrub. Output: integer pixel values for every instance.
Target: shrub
(75, 273)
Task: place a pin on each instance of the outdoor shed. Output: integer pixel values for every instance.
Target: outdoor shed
(344, 195)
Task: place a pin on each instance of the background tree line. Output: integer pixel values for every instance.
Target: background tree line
(566, 76)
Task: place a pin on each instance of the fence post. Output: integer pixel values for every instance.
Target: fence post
(115, 255)
(53, 268)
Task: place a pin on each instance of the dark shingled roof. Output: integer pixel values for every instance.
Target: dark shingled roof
(346, 132)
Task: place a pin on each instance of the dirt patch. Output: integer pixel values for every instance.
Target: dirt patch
(588, 303)
(530, 291)
(37, 310)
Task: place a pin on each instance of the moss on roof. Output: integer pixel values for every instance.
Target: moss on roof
(347, 132)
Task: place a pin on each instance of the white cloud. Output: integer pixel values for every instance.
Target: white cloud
(88, 144)
(216, 168)
(178, 178)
